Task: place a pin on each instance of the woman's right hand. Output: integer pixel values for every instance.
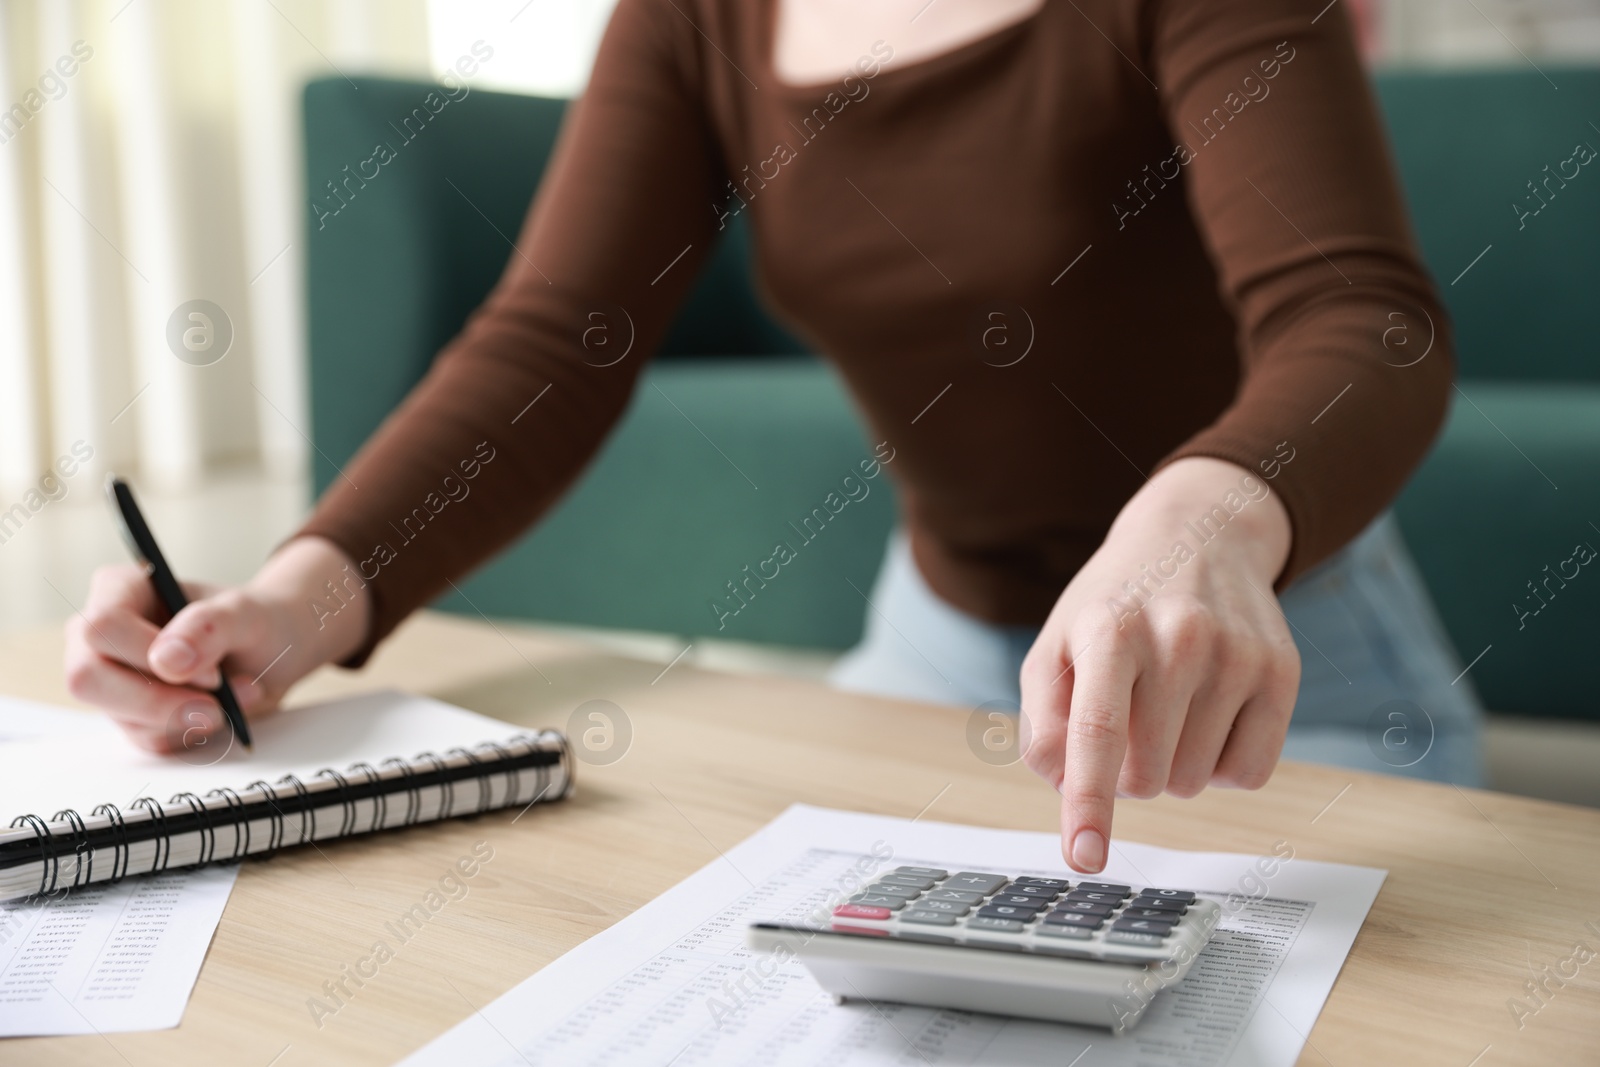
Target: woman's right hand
(156, 680)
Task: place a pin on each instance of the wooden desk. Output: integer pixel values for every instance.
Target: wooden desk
(1479, 885)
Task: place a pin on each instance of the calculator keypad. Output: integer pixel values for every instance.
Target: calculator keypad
(1052, 915)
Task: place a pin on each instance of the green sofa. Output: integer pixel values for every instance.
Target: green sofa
(736, 431)
(1514, 482)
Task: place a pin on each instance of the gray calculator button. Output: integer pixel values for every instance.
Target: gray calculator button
(1084, 907)
(889, 889)
(1019, 901)
(1131, 937)
(947, 907)
(1074, 918)
(1161, 914)
(1177, 907)
(879, 900)
(1075, 933)
(995, 926)
(1038, 891)
(928, 918)
(1043, 883)
(953, 894)
(1105, 887)
(923, 872)
(1008, 911)
(1159, 927)
(976, 882)
(1095, 898)
(916, 880)
(1169, 894)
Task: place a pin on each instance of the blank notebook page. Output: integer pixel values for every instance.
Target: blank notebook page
(91, 762)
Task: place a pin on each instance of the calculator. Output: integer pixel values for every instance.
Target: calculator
(1093, 953)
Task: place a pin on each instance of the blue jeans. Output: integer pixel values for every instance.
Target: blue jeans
(1380, 685)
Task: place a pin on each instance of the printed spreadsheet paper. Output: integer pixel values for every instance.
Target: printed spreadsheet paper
(673, 983)
(107, 958)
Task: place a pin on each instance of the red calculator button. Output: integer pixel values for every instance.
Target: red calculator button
(860, 911)
(863, 931)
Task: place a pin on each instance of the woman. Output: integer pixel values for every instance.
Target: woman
(1181, 221)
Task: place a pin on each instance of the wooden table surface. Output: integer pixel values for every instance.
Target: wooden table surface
(1484, 890)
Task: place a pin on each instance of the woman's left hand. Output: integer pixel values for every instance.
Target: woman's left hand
(1166, 664)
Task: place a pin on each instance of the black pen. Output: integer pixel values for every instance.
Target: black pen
(143, 544)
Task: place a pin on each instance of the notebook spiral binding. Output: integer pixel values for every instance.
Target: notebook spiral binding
(413, 798)
(449, 801)
(80, 845)
(48, 869)
(513, 775)
(347, 819)
(71, 838)
(241, 833)
(208, 833)
(483, 779)
(380, 805)
(158, 815)
(120, 853)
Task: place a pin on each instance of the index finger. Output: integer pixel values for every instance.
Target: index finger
(125, 586)
(1097, 740)
(128, 586)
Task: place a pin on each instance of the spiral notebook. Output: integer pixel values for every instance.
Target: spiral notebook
(82, 805)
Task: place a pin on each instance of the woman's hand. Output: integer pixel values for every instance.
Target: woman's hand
(155, 681)
(1166, 664)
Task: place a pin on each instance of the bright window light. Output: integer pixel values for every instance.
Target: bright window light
(543, 47)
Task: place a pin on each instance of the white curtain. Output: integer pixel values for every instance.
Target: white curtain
(1489, 31)
(149, 157)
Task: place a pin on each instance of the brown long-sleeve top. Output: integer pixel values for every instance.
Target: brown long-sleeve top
(1187, 207)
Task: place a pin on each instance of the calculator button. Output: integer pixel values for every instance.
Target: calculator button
(1042, 883)
(994, 926)
(1085, 907)
(947, 907)
(891, 890)
(1074, 918)
(1160, 914)
(1007, 911)
(1169, 894)
(1009, 897)
(1074, 933)
(1177, 907)
(1130, 937)
(953, 894)
(1105, 887)
(928, 918)
(1143, 926)
(860, 911)
(1039, 891)
(916, 881)
(976, 882)
(1095, 898)
(923, 872)
(877, 900)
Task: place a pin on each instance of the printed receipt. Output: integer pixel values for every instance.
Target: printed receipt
(111, 957)
(674, 982)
